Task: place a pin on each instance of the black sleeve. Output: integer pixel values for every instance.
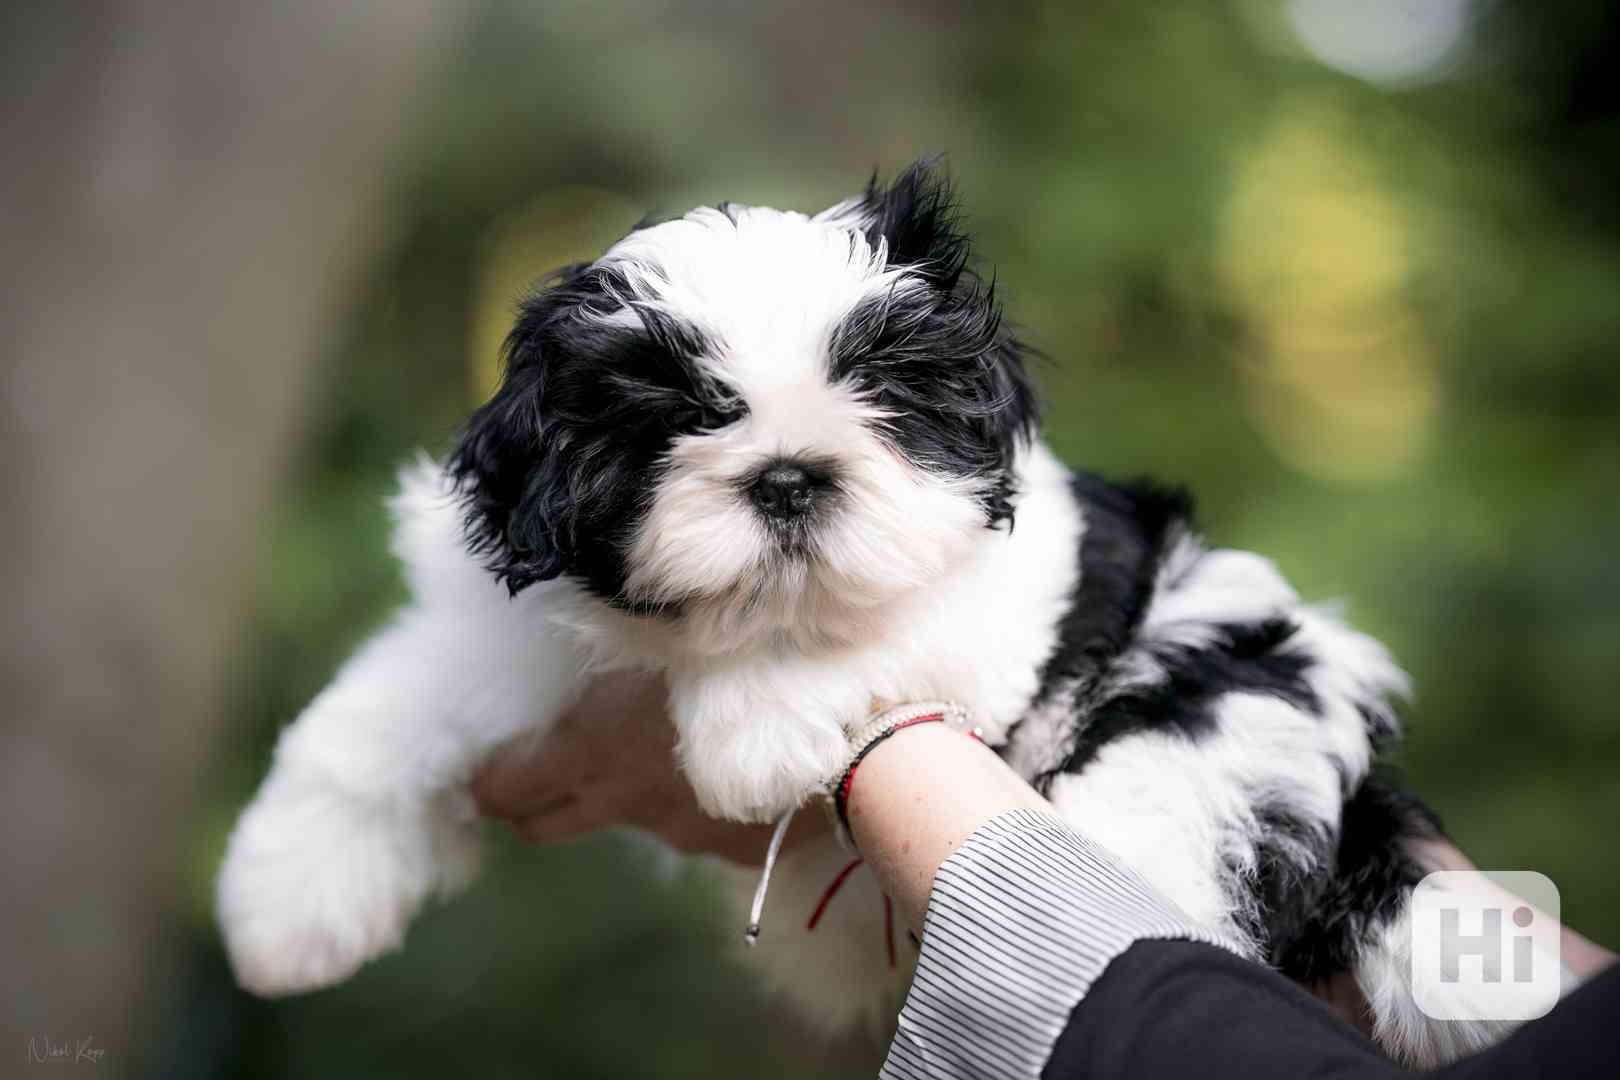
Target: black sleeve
(1168, 1009)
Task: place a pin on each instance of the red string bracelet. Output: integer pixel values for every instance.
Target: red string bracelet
(847, 781)
(883, 727)
(832, 891)
(866, 738)
(876, 732)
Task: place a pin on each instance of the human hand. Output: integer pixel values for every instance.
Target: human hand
(610, 760)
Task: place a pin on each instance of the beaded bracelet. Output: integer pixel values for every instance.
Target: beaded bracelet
(866, 739)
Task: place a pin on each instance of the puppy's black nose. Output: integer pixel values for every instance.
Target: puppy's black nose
(783, 491)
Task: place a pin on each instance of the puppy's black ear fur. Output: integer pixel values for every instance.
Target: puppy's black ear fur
(916, 216)
(519, 506)
(951, 369)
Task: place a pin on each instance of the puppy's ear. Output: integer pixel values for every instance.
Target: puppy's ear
(965, 400)
(916, 217)
(519, 507)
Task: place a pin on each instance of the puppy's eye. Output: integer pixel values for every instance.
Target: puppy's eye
(709, 416)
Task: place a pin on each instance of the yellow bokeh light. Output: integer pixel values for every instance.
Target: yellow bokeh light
(1317, 252)
(562, 226)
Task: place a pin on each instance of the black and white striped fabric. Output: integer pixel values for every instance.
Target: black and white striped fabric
(1022, 920)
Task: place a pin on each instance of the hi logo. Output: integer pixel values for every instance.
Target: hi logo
(1485, 946)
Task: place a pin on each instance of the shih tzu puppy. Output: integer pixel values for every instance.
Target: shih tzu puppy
(791, 463)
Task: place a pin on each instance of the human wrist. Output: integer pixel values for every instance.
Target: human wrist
(918, 796)
(881, 727)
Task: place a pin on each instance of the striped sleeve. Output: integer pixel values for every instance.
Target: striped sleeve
(1022, 920)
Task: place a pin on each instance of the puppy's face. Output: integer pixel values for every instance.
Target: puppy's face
(753, 424)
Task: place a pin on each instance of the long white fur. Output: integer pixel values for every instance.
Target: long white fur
(364, 814)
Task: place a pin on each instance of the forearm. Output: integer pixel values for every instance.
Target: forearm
(1020, 914)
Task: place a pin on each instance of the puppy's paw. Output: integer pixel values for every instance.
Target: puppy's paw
(316, 883)
(758, 773)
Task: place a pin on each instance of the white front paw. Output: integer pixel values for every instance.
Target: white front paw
(758, 773)
(316, 883)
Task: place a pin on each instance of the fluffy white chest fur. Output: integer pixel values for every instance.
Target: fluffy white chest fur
(789, 461)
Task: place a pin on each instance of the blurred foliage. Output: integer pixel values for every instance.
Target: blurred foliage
(1373, 329)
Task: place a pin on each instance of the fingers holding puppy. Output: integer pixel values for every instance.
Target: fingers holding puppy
(610, 761)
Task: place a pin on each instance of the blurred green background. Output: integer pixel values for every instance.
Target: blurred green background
(1351, 271)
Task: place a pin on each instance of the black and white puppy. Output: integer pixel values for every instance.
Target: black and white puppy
(780, 458)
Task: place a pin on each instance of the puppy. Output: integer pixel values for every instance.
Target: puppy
(781, 459)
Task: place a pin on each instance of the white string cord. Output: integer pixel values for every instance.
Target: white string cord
(751, 931)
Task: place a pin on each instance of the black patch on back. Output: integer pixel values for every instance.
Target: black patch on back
(939, 359)
(1318, 893)
(1252, 658)
(557, 468)
(1129, 529)
(1317, 926)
